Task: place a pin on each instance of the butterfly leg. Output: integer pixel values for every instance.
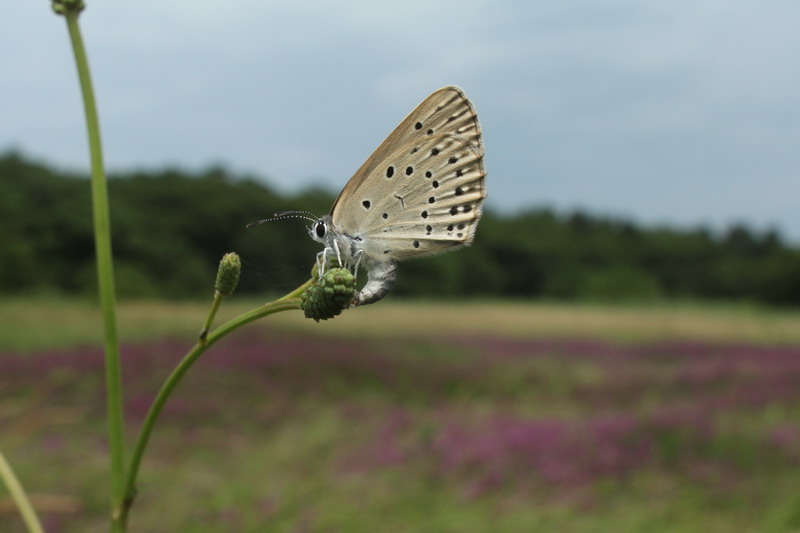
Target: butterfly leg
(380, 280)
(338, 254)
(359, 256)
(321, 259)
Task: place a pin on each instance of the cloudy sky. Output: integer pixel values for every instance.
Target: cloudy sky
(665, 111)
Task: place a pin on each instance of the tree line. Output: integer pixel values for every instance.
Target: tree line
(171, 227)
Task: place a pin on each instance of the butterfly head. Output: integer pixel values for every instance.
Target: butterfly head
(320, 229)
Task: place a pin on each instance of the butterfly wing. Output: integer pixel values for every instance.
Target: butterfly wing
(421, 192)
(446, 111)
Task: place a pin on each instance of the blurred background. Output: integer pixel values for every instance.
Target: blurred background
(619, 350)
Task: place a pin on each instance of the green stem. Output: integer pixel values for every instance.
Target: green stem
(288, 302)
(105, 269)
(212, 313)
(298, 291)
(19, 496)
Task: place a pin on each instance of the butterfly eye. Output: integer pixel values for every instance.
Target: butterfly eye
(319, 228)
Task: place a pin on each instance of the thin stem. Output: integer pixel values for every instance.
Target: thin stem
(288, 302)
(105, 269)
(298, 291)
(19, 496)
(212, 313)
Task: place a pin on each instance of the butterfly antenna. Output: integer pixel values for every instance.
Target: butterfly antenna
(307, 215)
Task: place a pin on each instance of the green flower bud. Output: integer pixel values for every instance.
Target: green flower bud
(62, 7)
(228, 274)
(329, 296)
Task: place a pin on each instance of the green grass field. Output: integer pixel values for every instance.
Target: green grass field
(31, 324)
(417, 417)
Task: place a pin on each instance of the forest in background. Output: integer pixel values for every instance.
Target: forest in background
(171, 227)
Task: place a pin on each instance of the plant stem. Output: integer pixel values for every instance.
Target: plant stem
(288, 302)
(298, 291)
(212, 313)
(19, 496)
(105, 270)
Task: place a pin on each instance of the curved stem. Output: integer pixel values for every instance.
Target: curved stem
(212, 313)
(288, 302)
(298, 291)
(105, 268)
(19, 496)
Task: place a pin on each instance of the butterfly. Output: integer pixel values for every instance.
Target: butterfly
(420, 193)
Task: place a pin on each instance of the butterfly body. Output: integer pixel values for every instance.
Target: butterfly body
(353, 251)
(420, 193)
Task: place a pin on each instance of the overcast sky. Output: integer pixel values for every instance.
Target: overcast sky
(665, 111)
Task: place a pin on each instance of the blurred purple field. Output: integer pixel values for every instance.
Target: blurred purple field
(547, 422)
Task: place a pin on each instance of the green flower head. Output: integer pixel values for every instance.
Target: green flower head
(330, 295)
